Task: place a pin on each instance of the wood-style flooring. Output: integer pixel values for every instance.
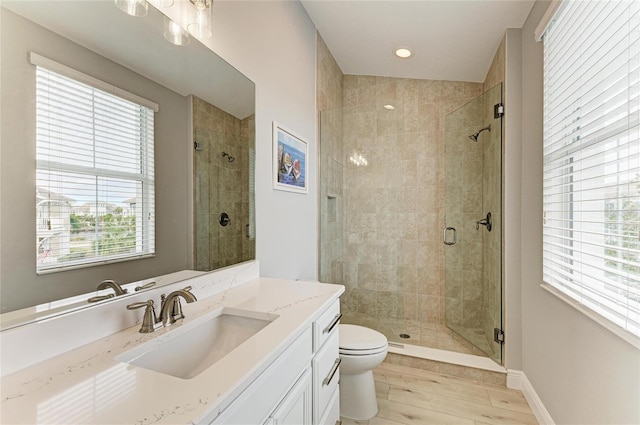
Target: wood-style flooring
(408, 396)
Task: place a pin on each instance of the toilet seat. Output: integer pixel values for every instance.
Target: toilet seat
(346, 352)
(360, 341)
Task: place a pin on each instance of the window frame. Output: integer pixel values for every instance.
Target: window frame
(561, 290)
(143, 180)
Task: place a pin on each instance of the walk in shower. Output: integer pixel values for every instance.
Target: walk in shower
(409, 172)
(223, 160)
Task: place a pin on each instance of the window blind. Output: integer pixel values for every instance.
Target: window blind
(591, 188)
(94, 175)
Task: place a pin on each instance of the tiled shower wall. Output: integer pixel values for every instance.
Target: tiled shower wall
(394, 264)
(221, 186)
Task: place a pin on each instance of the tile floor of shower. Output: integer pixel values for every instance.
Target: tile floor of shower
(430, 335)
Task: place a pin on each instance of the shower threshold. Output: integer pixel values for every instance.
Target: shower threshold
(444, 356)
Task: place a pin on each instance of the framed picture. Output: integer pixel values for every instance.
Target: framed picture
(290, 156)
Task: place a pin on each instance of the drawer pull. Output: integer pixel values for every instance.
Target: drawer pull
(333, 324)
(333, 371)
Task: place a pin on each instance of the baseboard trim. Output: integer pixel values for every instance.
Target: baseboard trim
(517, 380)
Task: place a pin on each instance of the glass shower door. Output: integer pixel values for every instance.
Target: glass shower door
(473, 220)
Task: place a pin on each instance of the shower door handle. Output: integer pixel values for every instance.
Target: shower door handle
(446, 231)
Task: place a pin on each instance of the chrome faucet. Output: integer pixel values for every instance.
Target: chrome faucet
(112, 284)
(171, 310)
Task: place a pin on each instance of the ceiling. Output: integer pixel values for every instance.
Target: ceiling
(450, 39)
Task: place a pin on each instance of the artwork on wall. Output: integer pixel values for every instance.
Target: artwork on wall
(290, 155)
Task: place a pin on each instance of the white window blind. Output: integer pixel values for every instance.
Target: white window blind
(95, 173)
(591, 186)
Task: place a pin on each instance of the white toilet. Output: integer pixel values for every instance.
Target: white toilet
(361, 350)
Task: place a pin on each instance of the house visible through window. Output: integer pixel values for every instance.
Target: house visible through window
(94, 170)
(591, 182)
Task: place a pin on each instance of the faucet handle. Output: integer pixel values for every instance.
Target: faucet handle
(176, 310)
(145, 286)
(100, 298)
(149, 319)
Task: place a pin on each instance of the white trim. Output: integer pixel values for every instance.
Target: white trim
(546, 19)
(461, 359)
(598, 318)
(39, 60)
(517, 380)
(100, 261)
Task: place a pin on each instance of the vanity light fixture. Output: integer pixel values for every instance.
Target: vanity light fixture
(173, 33)
(403, 52)
(201, 27)
(133, 7)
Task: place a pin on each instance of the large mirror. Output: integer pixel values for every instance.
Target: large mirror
(204, 141)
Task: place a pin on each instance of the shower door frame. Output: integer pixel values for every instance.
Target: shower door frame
(474, 298)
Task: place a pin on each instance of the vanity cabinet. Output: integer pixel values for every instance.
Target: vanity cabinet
(257, 404)
(295, 409)
(301, 386)
(326, 367)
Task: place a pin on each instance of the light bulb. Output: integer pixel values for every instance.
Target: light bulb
(174, 33)
(133, 7)
(403, 52)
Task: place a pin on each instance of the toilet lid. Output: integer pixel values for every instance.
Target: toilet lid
(354, 337)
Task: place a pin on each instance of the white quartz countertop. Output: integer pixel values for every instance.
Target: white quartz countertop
(87, 385)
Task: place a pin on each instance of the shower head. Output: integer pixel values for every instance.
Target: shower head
(229, 157)
(475, 135)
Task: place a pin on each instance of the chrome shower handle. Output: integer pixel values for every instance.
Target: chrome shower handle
(444, 236)
(485, 222)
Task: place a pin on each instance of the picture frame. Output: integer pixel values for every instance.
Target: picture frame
(290, 161)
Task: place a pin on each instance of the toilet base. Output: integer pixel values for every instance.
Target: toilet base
(358, 396)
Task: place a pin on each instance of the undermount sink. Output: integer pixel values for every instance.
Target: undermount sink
(188, 350)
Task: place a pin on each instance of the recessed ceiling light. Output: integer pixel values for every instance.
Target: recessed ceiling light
(389, 107)
(403, 52)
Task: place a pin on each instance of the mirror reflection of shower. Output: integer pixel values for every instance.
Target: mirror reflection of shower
(229, 157)
(475, 135)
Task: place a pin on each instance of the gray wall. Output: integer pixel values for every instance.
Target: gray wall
(273, 43)
(19, 285)
(583, 373)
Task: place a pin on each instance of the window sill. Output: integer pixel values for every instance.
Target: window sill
(610, 326)
(93, 264)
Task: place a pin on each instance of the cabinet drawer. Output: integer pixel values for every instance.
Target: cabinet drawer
(325, 324)
(326, 374)
(332, 414)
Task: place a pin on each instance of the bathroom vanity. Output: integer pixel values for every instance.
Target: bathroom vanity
(284, 368)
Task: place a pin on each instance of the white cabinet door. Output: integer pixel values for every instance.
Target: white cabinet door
(295, 409)
(332, 414)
